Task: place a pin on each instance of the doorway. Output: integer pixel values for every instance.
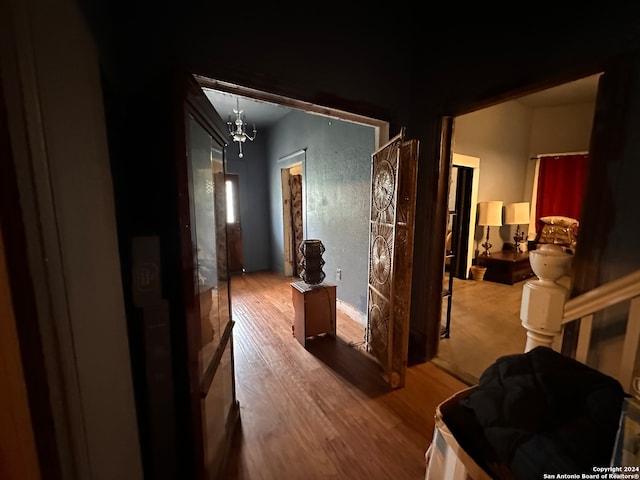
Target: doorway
(294, 230)
(234, 225)
(505, 138)
(320, 190)
(297, 140)
(463, 200)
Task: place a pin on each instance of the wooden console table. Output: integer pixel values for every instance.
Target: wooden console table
(315, 310)
(506, 267)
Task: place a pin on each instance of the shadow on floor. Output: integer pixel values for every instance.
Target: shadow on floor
(352, 364)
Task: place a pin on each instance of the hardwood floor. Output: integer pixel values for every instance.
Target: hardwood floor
(322, 412)
(485, 324)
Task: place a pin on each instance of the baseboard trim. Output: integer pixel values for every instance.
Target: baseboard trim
(351, 312)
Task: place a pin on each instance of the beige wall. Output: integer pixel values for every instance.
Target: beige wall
(499, 136)
(561, 129)
(506, 136)
(558, 130)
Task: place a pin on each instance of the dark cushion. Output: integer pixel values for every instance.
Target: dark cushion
(543, 412)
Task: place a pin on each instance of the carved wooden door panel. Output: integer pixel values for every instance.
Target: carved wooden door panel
(393, 194)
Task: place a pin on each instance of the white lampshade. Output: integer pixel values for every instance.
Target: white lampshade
(490, 213)
(516, 213)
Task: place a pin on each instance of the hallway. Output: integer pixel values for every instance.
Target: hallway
(321, 412)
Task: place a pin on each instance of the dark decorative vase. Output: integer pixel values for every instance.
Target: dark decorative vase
(312, 261)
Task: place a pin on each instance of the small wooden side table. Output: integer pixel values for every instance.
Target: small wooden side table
(315, 310)
(506, 267)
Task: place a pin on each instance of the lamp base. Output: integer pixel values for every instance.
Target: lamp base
(518, 238)
(486, 245)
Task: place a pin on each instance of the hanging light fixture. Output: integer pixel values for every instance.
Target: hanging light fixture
(237, 129)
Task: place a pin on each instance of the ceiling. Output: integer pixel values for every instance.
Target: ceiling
(264, 114)
(579, 91)
(256, 112)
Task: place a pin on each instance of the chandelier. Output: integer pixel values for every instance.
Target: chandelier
(237, 129)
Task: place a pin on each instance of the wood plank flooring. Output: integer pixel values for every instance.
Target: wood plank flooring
(322, 412)
(485, 325)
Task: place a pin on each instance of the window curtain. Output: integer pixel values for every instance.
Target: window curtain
(561, 181)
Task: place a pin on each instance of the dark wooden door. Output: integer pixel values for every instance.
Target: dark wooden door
(460, 231)
(234, 225)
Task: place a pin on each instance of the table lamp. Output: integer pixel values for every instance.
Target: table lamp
(489, 215)
(517, 214)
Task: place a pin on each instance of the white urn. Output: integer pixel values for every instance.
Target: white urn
(549, 262)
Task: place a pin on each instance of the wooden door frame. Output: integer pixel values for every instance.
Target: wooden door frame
(459, 160)
(234, 178)
(17, 439)
(70, 319)
(285, 163)
(196, 104)
(586, 275)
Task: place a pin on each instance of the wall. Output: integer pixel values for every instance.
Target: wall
(559, 129)
(51, 76)
(345, 71)
(506, 136)
(337, 176)
(254, 200)
(139, 47)
(499, 136)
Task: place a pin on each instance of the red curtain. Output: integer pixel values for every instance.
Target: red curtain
(561, 181)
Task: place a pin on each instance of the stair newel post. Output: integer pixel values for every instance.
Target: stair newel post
(543, 299)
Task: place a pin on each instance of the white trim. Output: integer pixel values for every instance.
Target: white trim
(299, 157)
(584, 307)
(292, 155)
(630, 346)
(584, 339)
(351, 312)
(532, 233)
(540, 155)
(616, 291)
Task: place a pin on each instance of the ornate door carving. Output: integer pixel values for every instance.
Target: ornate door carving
(393, 194)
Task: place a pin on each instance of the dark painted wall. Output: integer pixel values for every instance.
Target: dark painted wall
(336, 203)
(410, 77)
(414, 80)
(336, 200)
(252, 170)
